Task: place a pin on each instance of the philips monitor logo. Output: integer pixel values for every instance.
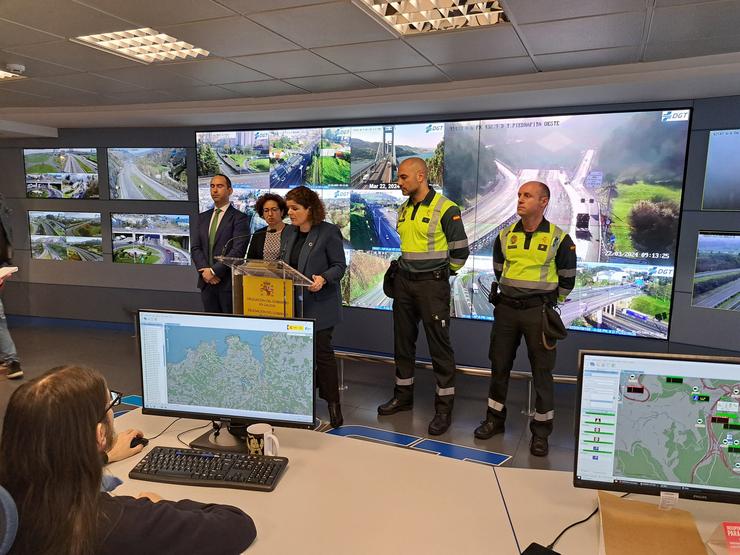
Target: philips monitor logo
(674, 115)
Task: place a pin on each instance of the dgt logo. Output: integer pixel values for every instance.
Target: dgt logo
(674, 115)
(432, 127)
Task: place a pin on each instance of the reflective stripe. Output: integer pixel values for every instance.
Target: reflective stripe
(495, 405)
(445, 391)
(431, 255)
(457, 261)
(541, 285)
(457, 244)
(549, 415)
(567, 273)
(563, 292)
(404, 381)
(498, 266)
(434, 221)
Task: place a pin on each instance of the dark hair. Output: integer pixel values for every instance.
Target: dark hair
(308, 199)
(226, 177)
(50, 462)
(260, 205)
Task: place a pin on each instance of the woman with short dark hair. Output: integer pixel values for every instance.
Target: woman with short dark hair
(314, 248)
(265, 243)
(56, 429)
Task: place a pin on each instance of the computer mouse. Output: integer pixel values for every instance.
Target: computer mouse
(139, 441)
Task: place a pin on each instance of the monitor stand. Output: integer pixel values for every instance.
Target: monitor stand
(224, 442)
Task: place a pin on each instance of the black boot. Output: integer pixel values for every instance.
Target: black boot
(489, 427)
(335, 415)
(395, 405)
(440, 423)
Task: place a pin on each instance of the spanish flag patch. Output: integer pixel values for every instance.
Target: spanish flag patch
(456, 217)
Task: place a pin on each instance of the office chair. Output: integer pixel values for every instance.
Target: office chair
(8, 521)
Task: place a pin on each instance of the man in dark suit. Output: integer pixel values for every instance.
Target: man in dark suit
(223, 230)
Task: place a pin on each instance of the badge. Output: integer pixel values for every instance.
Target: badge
(542, 247)
(513, 239)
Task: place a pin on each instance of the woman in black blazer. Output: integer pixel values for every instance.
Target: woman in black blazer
(314, 248)
(265, 243)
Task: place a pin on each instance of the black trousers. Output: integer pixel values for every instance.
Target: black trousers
(428, 301)
(327, 373)
(217, 299)
(509, 325)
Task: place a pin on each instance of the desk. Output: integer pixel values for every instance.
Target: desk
(543, 502)
(348, 496)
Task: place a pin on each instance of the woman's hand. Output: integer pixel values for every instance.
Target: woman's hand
(318, 283)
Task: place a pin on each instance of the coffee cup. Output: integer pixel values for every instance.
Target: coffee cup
(261, 440)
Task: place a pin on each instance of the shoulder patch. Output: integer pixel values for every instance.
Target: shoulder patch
(456, 217)
(572, 247)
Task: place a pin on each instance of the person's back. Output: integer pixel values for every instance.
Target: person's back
(55, 431)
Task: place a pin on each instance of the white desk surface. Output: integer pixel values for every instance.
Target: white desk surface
(344, 495)
(543, 502)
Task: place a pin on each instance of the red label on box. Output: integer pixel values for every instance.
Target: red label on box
(732, 537)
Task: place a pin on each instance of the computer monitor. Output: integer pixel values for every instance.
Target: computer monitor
(648, 423)
(228, 368)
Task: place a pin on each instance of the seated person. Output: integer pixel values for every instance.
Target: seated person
(56, 428)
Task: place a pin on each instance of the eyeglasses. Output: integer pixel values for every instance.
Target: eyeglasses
(115, 399)
(271, 210)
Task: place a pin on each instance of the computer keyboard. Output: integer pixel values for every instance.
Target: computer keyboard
(194, 467)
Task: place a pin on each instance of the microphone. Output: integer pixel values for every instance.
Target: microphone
(226, 246)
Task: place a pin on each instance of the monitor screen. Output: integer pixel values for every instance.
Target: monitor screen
(151, 238)
(721, 191)
(717, 272)
(61, 173)
(148, 173)
(227, 367)
(66, 236)
(648, 423)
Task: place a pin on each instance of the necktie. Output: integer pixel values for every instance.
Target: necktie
(212, 233)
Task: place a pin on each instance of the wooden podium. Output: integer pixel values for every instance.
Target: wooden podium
(264, 288)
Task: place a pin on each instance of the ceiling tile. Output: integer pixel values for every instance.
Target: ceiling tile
(93, 83)
(139, 97)
(482, 69)
(263, 88)
(298, 63)
(324, 25)
(61, 96)
(146, 13)
(662, 3)
(216, 71)
(231, 36)
(694, 22)
(690, 48)
(150, 77)
(61, 17)
(588, 58)
(499, 41)
(76, 56)
(406, 76)
(604, 31)
(16, 35)
(532, 11)
(34, 68)
(252, 6)
(371, 56)
(203, 93)
(10, 98)
(326, 83)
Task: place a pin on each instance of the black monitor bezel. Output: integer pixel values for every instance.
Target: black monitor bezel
(695, 493)
(211, 416)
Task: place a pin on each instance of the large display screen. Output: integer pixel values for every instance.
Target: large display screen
(717, 273)
(616, 181)
(148, 173)
(151, 238)
(649, 423)
(61, 173)
(722, 177)
(66, 236)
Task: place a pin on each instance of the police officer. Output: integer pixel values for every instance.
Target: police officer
(535, 263)
(433, 245)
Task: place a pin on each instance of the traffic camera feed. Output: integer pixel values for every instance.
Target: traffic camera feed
(151, 239)
(717, 273)
(61, 173)
(148, 173)
(66, 236)
(616, 182)
(722, 177)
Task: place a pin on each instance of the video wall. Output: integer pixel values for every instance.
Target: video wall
(616, 182)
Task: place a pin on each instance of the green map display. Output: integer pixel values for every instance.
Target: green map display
(665, 430)
(253, 371)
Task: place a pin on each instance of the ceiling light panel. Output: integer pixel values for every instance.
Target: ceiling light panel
(142, 45)
(8, 76)
(410, 17)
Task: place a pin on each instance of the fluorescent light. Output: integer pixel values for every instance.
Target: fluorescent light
(142, 45)
(425, 16)
(7, 76)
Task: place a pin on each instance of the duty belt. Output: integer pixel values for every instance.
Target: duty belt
(525, 302)
(442, 273)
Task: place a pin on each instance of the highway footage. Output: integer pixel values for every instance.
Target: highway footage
(61, 173)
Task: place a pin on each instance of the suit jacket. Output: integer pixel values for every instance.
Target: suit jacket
(234, 225)
(256, 249)
(322, 254)
(6, 235)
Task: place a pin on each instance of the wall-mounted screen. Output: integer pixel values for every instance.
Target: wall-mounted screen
(151, 238)
(148, 173)
(66, 236)
(61, 173)
(616, 181)
(717, 273)
(722, 177)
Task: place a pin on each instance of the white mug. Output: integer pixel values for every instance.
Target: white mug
(261, 440)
